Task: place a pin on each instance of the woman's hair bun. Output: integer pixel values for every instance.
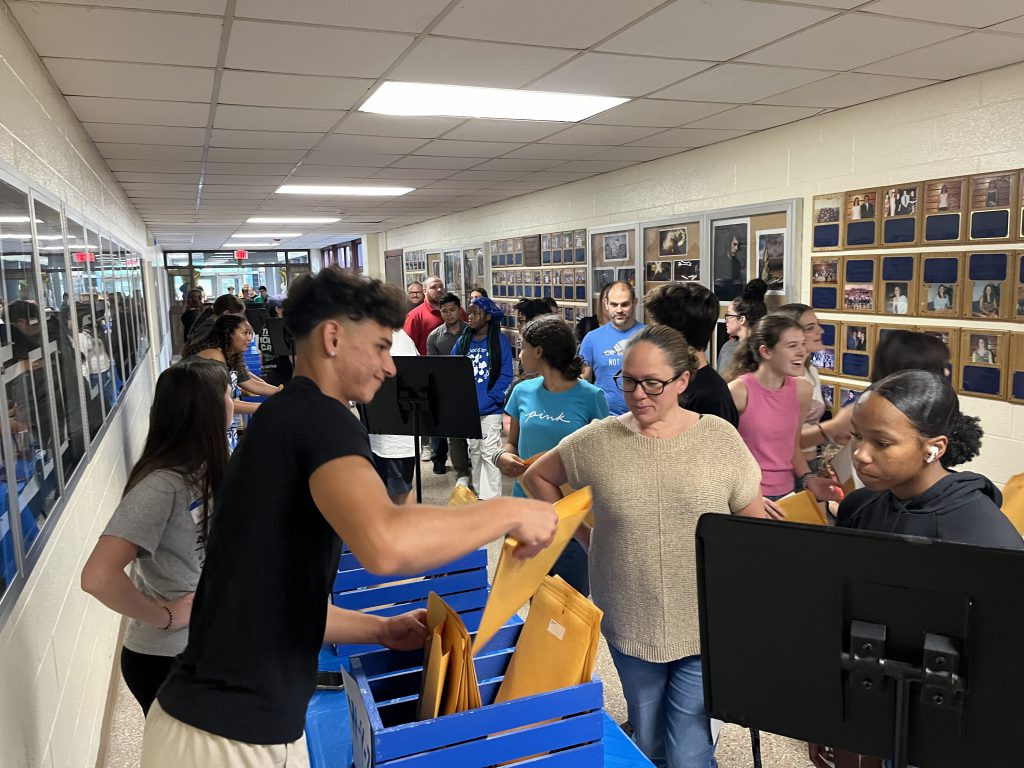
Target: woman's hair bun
(755, 290)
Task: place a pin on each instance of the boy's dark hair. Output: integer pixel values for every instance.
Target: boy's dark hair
(903, 350)
(552, 304)
(21, 309)
(688, 308)
(449, 298)
(334, 294)
(228, 303)
(531, 308)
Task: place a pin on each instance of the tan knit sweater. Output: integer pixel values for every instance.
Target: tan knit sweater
(648, 494)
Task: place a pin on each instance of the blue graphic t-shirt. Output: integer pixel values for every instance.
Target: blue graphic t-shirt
(490, 399)
(546, 417)
(602, 351)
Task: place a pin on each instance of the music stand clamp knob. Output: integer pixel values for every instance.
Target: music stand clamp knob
(866, 658)
(941, 685)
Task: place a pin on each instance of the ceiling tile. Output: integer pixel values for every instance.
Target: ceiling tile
(276, 47)
(520, 164)
(301, 91)
(556, 151)
(461, 184)
(388, 145)
(712, 30)
(599, 134)
(965, 55)
(633, 154)
(838, 4)
(593, 166)
(504, 130)
(447, 163)
(610, 74)
(275, 118)
(235, 155)
(851, 41)
(1015, 25)
(67, 31)
(311, 171)
(555, 176)
(145, 134)
(755, 117)
(976, 13)
(154, 166)
(568, 23)
(369, 124)
(80, 77)
(398, 15)
(684, 138)
(214, 7)
(845, 89)
(170, 178)
(92, 109)
(351, 157)
(443, 147)
(413, 174)
(488, 175)
(243, 169)
(467, 62)
(656, 113)
(740, 83)
(255, 139)
(149, 152)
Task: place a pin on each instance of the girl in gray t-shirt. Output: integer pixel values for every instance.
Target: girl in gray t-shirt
(162, 521)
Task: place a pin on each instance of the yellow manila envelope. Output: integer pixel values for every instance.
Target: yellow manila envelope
(565, 488)
(449, 676)
(557, 647)
(1013, 501)
(515, 581)
(802, 508)
(435, 663)
(461, 496)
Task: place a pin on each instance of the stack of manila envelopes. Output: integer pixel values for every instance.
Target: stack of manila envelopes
(449, 677)
(802, 508)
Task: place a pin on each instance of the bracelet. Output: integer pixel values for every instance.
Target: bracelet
(170, 619)
(805, 475)
(496, 455)
(822, 430)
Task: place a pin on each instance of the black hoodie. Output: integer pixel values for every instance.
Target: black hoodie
(962, 507)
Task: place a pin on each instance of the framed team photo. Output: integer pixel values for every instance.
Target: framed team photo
(826, 222)
(860, 275)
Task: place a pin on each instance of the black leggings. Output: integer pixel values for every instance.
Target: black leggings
(144, 674)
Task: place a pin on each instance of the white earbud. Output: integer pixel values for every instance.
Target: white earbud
(933, 454)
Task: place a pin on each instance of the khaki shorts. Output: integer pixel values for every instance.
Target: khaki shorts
(170, 743)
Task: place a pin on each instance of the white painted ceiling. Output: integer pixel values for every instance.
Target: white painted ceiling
(202, 108)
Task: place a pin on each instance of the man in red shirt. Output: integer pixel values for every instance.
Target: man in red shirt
(427, 316)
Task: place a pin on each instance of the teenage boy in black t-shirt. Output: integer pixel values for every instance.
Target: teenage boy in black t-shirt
(241, 687)
(692, 310)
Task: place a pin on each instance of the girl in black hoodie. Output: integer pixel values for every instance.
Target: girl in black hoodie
(907, 431)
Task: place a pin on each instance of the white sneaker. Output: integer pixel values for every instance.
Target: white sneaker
(425, 453)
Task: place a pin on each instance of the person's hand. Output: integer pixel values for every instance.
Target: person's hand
(405, 632)
(510, 464)
(181, 611)
(536, 527)
(825, 488)
(774, 511)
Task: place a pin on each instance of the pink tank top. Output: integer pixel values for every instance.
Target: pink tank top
(768, 427)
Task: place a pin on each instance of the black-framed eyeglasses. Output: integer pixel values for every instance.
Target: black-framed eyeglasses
(649, 386)
(730, 314)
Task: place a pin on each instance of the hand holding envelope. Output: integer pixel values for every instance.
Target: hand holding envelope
(449, 676)
(802, 508)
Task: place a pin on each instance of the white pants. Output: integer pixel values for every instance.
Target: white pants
(486, 476)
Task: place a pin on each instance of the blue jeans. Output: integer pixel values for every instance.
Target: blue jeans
(665, 703)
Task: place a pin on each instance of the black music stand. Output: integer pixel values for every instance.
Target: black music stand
(276, 339)
(433, 396)
(885, 645)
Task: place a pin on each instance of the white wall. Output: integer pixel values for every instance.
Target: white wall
(57, 647)
(967, 126)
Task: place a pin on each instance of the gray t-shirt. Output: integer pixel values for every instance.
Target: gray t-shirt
(162, 516)
(725, 355)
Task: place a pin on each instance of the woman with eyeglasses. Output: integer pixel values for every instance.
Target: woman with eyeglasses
(645, 518)
(744, 312)
(773, 400)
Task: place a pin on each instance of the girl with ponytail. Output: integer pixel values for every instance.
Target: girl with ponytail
(485, 344)
(908, 431)
(741, 317)
(544, 409)
(773, 400)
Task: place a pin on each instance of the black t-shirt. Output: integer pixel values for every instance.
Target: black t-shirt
(708, 393)
(962, 507)
(261, 606)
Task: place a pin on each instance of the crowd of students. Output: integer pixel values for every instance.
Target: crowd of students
(230, 598)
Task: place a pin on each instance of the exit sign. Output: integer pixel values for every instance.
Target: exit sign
(82, 256)
(241, 255)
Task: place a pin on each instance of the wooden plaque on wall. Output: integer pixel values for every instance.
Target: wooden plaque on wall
(825, 279)
(941, 286)
(951, 338)
(857, 342)
(860, 284)
(1015, 384)
(993, 207)
(861, 212)
(827, 222)
(984, 360)
(945, 201)
(898, 285)
(987, 289)
(901, 215)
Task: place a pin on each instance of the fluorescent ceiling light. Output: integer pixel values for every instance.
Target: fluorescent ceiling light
(292, 220)
(17, 220)
(247, 245)
(267, 234)
(27, 236)
(433, 99)
(315, 189)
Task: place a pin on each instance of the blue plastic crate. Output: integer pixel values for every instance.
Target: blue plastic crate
(462, 584)
(560, 728)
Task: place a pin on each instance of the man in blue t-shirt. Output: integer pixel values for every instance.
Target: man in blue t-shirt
(601, 349)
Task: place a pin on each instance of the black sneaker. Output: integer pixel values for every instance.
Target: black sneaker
(440, 468)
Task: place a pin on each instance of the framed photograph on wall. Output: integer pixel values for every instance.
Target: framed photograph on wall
(988, 285)
(771, 259)
(940, 288)
(672, 242)
(1016, 376)
(825, 276)
(848, 394)
(730, 241)
(860, 278)
(857, 342)
(984, 361)
(627, 274)
(825, 358)
(951, 338)
(901, 212)
(1018, 286)
(993, 202)
(829, 390)
(615, 247)
(658, 271)
(944, 204)
(861, 212)
(899, 284)
(686, 270)
(827, 221)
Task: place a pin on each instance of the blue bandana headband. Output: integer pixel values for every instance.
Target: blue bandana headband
(488, 307)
